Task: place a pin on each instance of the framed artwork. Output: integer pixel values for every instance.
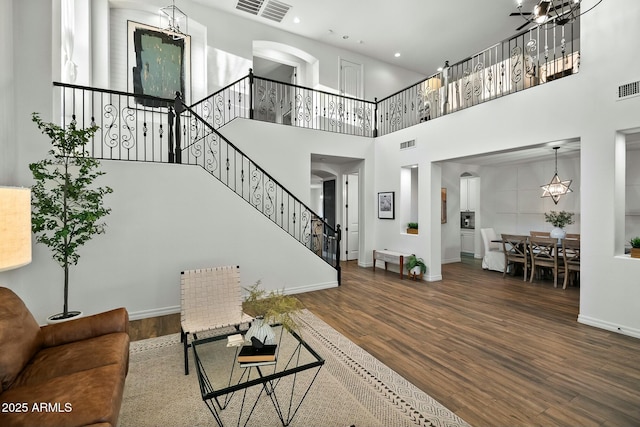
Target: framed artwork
(386, 205)
(157, 65)
(443, 205)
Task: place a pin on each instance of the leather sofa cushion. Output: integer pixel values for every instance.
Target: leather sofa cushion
(92, 396)
(19, 335)
(74, 357)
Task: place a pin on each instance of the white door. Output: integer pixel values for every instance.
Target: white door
(351, 83)
(351, 232)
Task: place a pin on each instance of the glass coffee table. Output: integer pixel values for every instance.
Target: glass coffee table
(242, 389)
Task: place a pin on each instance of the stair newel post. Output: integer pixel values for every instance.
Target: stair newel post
(251, 86)
(170, 118)
(178, 106)
(338, 252)
(375, 117)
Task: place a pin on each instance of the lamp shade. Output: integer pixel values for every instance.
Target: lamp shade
(15, 227)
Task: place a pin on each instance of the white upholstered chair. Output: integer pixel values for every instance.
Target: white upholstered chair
(493, 254)
(211, 298)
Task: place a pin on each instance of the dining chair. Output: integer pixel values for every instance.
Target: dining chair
(544, 254)
(515, 248)
(572, 236)
(571, 257)
(540, 233)
(493, 256)
(211, 298)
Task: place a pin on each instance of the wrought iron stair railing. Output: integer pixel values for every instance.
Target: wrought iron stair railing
(209, 149)
(148, 129)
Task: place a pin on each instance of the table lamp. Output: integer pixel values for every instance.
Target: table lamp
(15, 227)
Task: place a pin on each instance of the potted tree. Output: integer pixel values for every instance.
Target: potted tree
(67, 208)
(412, 228)
(559, 220)
(416, 266)
(268, 308)
(635, 247)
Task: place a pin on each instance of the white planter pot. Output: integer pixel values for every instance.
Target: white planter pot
(57, 318)
(558, 233)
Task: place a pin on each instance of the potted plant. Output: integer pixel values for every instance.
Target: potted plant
(559, 220)
(635, 247)
(416, 266)
(67, 207)
(269, 308)
(412, 228)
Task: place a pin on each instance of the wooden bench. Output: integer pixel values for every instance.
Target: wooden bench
(389, 256)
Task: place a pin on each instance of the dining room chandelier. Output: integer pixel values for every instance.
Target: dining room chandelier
(556, 187)
(177, 21)
(560, 12)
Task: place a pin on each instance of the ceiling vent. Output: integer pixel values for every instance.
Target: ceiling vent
(250, 6)
(274, 10)
(408, 144)
(628, 90)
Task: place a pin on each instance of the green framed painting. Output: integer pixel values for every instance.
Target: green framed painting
(158, 65)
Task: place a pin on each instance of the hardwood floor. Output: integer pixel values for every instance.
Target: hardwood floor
(497, 352)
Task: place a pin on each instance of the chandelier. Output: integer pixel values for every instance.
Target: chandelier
(176, 18)
(560, 12)
(556, 187)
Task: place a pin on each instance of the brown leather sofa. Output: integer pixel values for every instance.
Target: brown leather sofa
(67, 374)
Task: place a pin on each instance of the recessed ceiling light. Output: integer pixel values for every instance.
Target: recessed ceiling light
(439, 69)
(296, 20)
(345, 37)
(397, 55)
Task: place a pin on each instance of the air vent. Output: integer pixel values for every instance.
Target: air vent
(250, 6)
(629, 90)
(408, 144)
(275, 10)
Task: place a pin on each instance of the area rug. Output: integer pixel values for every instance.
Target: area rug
(353, 388)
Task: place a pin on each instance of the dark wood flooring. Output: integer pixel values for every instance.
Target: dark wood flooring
(497, 352)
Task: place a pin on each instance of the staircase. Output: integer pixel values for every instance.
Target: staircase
(142, 128)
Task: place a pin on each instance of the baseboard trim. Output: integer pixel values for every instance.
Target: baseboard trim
(613, 327)
(154, 312)
(451, 260)
(163, 311)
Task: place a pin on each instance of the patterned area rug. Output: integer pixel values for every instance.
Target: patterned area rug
(352, 389)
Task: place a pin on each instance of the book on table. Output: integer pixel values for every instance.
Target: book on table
(251, 354)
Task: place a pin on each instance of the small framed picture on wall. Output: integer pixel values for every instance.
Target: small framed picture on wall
(386, 205)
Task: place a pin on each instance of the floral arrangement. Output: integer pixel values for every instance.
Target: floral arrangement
(559, 219)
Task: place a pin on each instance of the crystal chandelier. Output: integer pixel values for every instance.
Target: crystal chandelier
(177, 21)
(556, 187)
(560, 12)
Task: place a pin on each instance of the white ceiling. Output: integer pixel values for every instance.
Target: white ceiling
(425, 32)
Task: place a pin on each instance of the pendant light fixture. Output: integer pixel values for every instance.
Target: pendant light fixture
(177, 21)
(556, 187)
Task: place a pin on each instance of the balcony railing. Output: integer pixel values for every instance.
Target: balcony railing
(287, 104)
(533, 57)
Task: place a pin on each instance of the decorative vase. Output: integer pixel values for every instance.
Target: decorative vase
(635, 252)
(558, 233)
(261, 330)
(59, 318)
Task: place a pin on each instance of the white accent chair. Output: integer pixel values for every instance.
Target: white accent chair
(211, 298)
(493, 254)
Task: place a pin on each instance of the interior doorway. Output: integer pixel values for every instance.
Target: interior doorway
(351, 216)
(329, 203)
(351, 82)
